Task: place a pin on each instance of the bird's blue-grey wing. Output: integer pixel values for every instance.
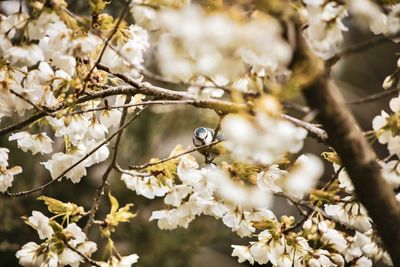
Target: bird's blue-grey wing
(220, 136)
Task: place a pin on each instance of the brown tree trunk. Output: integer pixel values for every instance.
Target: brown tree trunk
(359, 160)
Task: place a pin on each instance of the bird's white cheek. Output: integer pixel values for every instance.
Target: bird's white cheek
(208, 139)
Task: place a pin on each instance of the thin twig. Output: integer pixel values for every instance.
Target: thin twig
(86, 258)
(139, 167)
(122, 171)
(325, 215)
(319, 210)
(333, 179)
(367, 44)
(373, 97)
(100, 189)
(299, 223)
(363, 45)
(38, 108)
(312, 129)
(47, 111)
(291, 200)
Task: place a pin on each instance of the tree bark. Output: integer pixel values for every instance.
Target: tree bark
(359, 160)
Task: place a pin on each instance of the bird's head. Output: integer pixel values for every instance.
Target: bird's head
(202, 136)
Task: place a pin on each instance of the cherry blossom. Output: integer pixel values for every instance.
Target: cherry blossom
(36, 143)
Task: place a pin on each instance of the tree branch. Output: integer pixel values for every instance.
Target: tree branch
(148, 89)
(135, 87)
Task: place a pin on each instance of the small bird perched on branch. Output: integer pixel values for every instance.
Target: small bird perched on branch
(205, 136)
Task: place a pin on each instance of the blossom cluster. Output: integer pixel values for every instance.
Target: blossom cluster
(46, 72)
(242, 203)
(325, 22)
(223, 59)
(53, 251)
(6, 174)
(193, 191)
(261, 139)
(387, 131)
(336, 249)
(324, 26)
(281, 246)
(370, 14)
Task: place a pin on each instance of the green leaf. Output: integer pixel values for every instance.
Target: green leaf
(116, 216)
(97, 6)
(66, 209)
(114, 203)
(57, 228)
(332, 157)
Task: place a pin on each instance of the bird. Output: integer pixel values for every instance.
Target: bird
(204, 136)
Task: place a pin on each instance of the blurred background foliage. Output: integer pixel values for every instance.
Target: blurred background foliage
(206, 242)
